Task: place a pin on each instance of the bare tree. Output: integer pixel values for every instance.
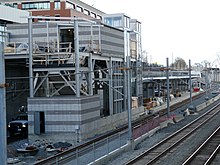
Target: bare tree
(179, 64)
(144, 56)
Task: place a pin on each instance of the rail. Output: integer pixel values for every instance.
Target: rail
(72, 152)
(155, 153)
(207, 151)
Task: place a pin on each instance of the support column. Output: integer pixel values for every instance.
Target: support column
(30, 41)
(90, 74)
(129, 98)
(3, 145)
(110, 87)
(76, 46)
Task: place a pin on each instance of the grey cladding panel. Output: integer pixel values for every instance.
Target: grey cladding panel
(19, 33)
(112, 42)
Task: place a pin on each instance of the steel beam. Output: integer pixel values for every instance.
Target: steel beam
(3, 145)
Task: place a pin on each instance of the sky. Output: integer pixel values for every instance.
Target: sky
(189, 29)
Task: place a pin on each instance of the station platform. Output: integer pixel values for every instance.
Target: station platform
(175, 100)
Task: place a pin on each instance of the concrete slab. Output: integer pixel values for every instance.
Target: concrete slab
(178, 118)
(165, 123)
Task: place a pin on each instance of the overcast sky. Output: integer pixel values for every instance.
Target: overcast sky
(189, 29)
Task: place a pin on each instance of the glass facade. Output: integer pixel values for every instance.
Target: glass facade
(36, 5)
(113, 21)
(3, 34)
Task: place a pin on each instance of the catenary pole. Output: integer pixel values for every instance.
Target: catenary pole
(191, 107)
(190, 82)
(3, 146)
(129, 99)
(168, 89)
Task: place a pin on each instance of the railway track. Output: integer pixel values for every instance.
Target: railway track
(207, 151)
(155, 154)
(72, 152)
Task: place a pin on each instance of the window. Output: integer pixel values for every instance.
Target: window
(86, 12)
(117, 21)
(99, 17)
(3, 34)
(114, 21)
(108, 21)
(36, 5)
(70, 5)
(41, 6)
(93, 15)
(57, 5)
(78, 8)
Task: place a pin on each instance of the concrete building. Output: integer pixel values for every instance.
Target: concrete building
(56, 8)
(77, 70)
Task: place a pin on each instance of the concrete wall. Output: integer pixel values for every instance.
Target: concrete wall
(74, 116)
(105, 124)
(64, 114)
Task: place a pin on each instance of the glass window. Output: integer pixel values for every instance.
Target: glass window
(99, 17)
(86, 12)
(70, 5)
(78, 8)
(41, 6)
(108, 21)
(37, 5)
(31, 6)
(56, 5)
(117, 22)
(46, 5)
(93, 15)
(3, 34)
(24, 6)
